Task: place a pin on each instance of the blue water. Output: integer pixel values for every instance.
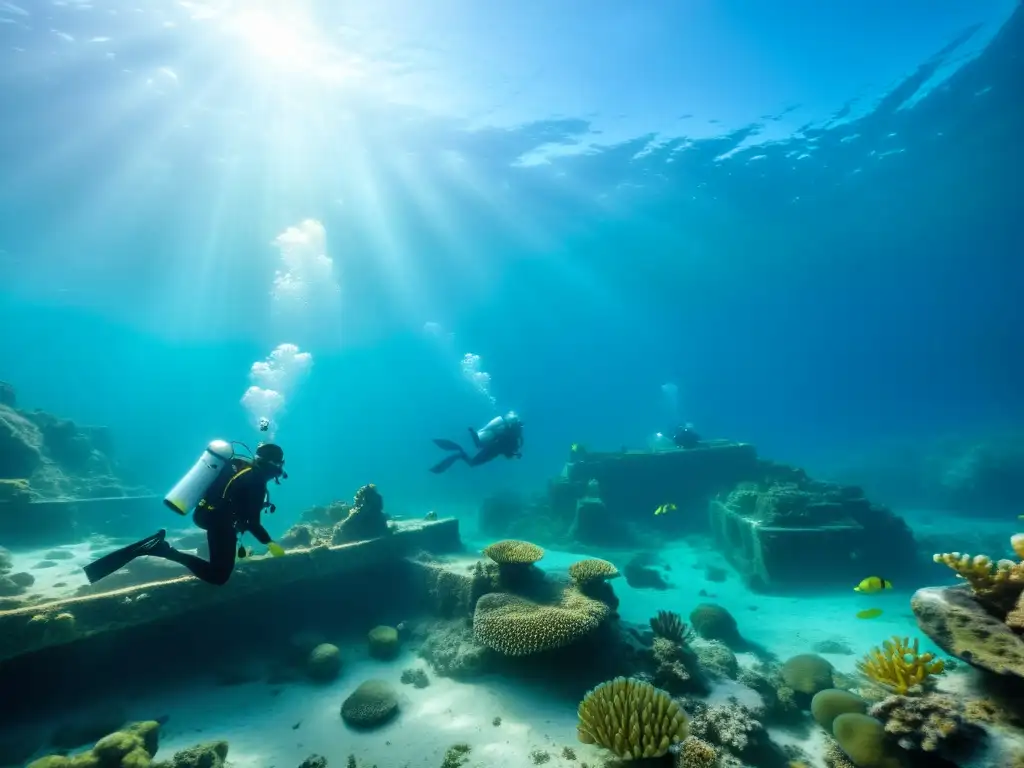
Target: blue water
(821, 254)
(803, 217)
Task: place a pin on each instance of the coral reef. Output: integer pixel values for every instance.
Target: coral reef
(670, 625)
(932, 723)
(366, 519)
(417, 678)
(863, 739)
(899, 665)
(713, 622)
(372, 704)
(736, 731)
(697, 753)
(631, 719)
(807, 674)
(324, 662)
(830, 703)
(452, 650)
(517, 626)
(677, 668)
(383, 643)
(133, 747)
(515, 561)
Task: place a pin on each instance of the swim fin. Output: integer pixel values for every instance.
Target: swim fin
(447, 445)
(475, 437)
(446, 462)
(118, 559)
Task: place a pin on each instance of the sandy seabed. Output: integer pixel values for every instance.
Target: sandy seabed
(279, 725)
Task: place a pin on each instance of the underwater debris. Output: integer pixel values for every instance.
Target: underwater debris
(630, 718)
(899, 665)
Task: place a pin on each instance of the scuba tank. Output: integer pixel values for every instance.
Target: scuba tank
(496, 427)
(193, 486)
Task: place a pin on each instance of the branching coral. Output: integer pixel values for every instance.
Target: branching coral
(899, 665)
(632, 719)
(997, 584)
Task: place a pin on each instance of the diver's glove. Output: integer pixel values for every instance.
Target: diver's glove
(275, 549)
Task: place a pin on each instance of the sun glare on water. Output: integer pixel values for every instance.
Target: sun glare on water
(286, 42)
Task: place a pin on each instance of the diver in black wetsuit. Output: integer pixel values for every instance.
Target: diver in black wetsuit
(230, 508)
(502, 436)
(686, 437)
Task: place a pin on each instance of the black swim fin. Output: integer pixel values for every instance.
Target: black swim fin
(446, 462)
(118, 559)
(447, 445)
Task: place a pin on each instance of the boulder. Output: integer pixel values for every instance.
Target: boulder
(960, 626)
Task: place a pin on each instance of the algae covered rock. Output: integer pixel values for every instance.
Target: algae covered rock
(211, 754)
(371, 705)
(366, 520)
(324, 662)
(960, 625)
(383, 643)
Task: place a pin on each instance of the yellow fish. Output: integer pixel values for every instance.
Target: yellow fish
(665, 508)
(869, 613)
(873, 584)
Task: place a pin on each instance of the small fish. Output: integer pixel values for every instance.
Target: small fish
(869, 613)
(665, 508)
(873, 584)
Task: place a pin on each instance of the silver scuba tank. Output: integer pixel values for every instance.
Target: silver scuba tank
(496, 426)
(189, 491)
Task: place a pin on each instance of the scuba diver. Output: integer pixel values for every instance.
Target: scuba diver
(686, 437)
(501, 436)
(232, 493)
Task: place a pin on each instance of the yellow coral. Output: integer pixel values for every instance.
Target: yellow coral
(899, 666)
(513, 552)
(515, 626)
(593, 569)
(630, 718)
(998, 583)
(697, 753)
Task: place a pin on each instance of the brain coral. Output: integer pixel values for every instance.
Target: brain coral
(632, 719)
(514, 552)
(515, 626)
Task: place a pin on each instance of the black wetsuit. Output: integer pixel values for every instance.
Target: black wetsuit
(237, 511)
(508, 443)
(685, 437)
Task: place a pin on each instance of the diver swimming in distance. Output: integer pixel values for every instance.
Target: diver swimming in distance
(686, 437)
(229, 494)
(501, 436)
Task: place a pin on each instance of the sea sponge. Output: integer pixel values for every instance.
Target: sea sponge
(807, 673)
(514, 552)
(631, 718)
(899, 666)
(931, 723)
(516, 626)
(713, 622)
(830, 703)
(593, 569)
(372, 704)
(862, 738)
(383, 642)
(324, 662)
(670, 625)
(997, 584)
